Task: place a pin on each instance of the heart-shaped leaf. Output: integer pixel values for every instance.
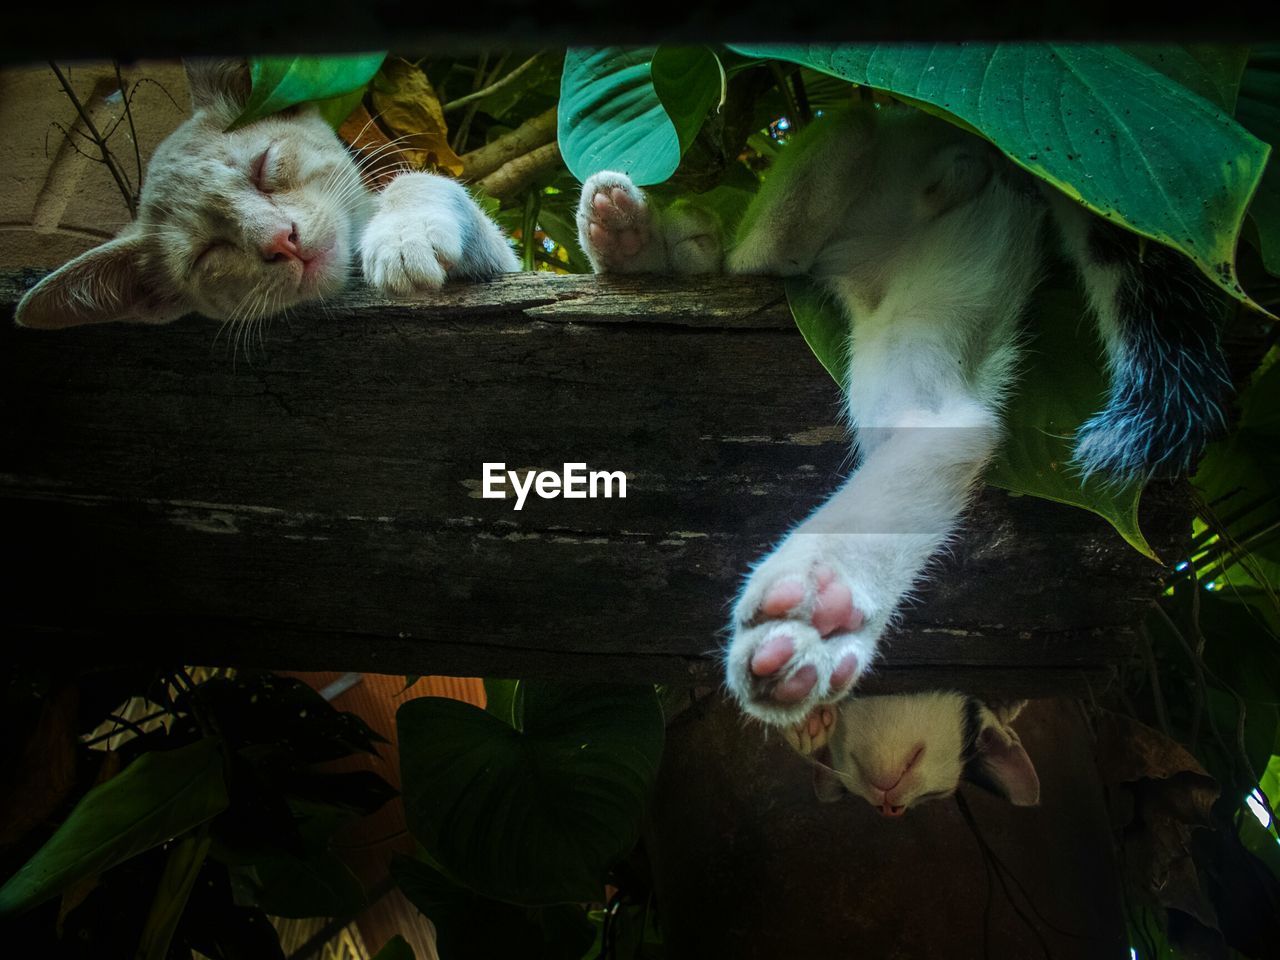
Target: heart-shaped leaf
(282, 82)
(160, 796)
(634, 109)
(1099, 123)
(534, 815)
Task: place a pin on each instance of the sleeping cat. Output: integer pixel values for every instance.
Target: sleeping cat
(902, 750)
(239, 226)
(933, 244)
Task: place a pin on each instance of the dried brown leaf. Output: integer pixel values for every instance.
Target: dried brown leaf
(406, 106)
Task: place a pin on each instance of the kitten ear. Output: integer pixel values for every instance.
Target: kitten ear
(216, 81)
(954, 175)
(1003, 767)
(826, 785)
(105, 284)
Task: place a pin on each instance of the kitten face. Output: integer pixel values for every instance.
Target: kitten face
(235, 226)
(899, 751)
(244, 223)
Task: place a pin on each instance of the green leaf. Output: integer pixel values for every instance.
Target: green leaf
(1239, 479)
(395, 949)
(503, 700)
(535, 815)
(181, 869)
(316, 884)
(613, 117)
(822, 324)
(1061, 384)
(1211, 70)
(283, 82)
(1259, 111)
(1093, 120)
(157, 797)
(689, 81)
(471, 927)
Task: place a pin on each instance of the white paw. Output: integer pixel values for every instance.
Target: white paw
(813, 732)
(801, 636)
(615, 227)
(402, 254)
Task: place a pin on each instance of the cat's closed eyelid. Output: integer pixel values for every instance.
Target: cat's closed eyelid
(261, 169)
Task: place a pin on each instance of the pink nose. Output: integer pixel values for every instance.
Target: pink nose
(283, 246)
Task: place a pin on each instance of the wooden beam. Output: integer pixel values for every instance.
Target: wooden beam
(309, 497)
(156, 28)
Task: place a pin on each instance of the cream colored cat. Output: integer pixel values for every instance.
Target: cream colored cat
(239, 226)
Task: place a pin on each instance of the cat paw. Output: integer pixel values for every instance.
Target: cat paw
(615, 227)
(401, 257)
(813, 732)
(800, 635)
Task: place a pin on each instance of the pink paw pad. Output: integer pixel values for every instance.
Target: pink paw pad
(779, 671)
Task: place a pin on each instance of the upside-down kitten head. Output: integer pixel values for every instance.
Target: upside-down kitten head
(899, 751)
(233, 225)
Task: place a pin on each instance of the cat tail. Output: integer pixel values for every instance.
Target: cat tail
(1160, 322)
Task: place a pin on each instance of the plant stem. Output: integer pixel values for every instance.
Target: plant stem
(493, 87)
(121, 181)
(133, 131)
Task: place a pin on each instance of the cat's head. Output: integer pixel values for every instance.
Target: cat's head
(902, 750)
(234, 225)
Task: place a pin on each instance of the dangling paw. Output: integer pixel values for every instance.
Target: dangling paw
(615, 226)
(800, 635)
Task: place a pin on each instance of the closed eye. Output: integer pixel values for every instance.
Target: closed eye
(260, 171)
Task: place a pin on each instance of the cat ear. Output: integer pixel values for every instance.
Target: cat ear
(214, 82)
(954, 175)
(105, 284)
(1003, 767)
(826, 785)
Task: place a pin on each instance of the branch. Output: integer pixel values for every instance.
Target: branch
(529, 135)
(493, 87)
(121, 182)
(513, 177)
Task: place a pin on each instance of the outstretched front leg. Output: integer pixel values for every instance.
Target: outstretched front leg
(620, 231)
(809, 620)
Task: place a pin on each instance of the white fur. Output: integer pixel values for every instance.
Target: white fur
(914, 745)
(933, 253)
(202, 238)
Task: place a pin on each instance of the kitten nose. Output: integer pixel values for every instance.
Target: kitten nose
(283, 246)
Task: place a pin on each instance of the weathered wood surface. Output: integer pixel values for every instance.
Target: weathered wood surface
(315, 505)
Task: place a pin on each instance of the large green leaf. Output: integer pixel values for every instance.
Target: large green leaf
(471, 927)
(634, 109)
(157, 797)
(283, 82)
(1061, 385)
(689, 81)
(1239, 478)
(1212, 70)
(534, 815)
(1259, 110)
(1096, 121)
